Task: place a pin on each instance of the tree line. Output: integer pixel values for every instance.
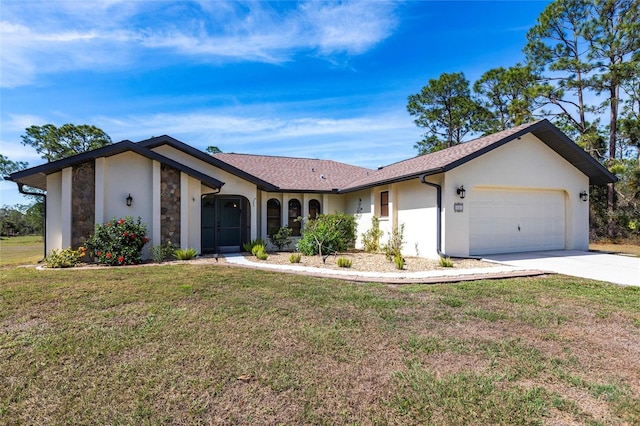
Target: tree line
(582, 72)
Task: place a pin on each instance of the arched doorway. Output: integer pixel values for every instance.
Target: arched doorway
(226, 223)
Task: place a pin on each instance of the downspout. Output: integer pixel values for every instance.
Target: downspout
(439, 220)
(44, 219)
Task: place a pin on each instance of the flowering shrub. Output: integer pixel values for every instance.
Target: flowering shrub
(118, 242)
(67, 258)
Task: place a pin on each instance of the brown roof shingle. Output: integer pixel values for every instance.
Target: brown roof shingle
(435, 162)
(296, 174)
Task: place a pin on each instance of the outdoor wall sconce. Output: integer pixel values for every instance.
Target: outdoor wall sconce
(129, 200)
(584, 196)
(461, 191)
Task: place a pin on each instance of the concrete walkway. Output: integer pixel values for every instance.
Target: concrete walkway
(421, 277)
(611, 268)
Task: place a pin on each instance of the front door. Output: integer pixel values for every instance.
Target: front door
(228, 224)
(225, 223)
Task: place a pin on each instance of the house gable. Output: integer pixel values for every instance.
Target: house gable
(36, 176)
(450, 158)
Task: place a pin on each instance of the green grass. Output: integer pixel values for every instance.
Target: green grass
(15, 251)
(199, 344)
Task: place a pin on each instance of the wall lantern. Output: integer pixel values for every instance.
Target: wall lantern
(461, 191)
(584, 196)
(129, 200)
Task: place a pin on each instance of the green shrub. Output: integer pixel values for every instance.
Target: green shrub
(258, 248)
(446, 262)
(343, 262)
(399, 261)
(328, 233)
(118, 242)
(67, 258)
(249, 245)
(371, 238)
(162, 252)
(185, 254)
(295, 257)
(262, 255)
(282, 238)
(394, 245)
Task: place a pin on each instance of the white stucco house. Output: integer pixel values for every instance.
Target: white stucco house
(523, 189)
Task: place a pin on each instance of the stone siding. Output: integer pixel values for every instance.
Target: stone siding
(83, 196)
(169, 205)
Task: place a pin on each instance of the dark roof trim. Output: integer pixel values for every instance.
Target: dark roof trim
(393, 180)
(569, 150)
(546, 132)
(108, 151)
(181, 146)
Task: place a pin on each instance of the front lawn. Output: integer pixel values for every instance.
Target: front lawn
(203, 344)
(26, 250)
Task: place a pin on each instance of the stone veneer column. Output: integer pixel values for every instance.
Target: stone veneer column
(169, 205)
(82, 203)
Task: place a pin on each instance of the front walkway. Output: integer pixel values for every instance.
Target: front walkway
(421, 277)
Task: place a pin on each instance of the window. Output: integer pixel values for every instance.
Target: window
(274, 216)
(384, 204)
(314, 209)
(295, 211)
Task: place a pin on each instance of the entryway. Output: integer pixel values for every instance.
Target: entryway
(225, 223)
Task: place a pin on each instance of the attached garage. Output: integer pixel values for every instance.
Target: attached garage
(516, 220)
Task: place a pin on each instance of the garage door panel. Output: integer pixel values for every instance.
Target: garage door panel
(506, 221)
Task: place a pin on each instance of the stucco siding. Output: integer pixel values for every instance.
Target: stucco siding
(54, 212)
(416, 209)
(124, 174)
(525, 164)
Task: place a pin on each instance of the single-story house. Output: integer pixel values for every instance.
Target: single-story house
(522, 189)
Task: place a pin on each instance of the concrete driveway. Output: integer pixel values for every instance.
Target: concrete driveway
(596, 266)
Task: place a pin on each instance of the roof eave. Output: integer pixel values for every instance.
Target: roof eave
(106, 151)
(181, 146)
(390, 181)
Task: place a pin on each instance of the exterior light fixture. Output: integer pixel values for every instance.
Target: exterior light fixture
(461, 191)
(129, 200)
(584, 196)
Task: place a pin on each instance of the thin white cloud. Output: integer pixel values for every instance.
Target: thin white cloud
(58, 36)
(368, 140)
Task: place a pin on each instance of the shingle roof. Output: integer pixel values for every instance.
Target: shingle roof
(296, 174)
(37, 176)
(447, 159)
(271, 173)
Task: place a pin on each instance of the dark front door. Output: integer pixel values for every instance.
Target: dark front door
(225, 223)
(228, 224)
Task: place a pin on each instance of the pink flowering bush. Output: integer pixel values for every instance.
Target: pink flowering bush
(118, 242)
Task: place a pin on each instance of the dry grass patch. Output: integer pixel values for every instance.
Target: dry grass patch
(630, 247)
(211, 344)
(16, 251)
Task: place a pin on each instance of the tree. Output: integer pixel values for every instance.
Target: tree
(22, 219)
(213, 150)
(328, 233)
(55, 143)
(629, 130)
(585, 45)
(613, 33)
(445, 108)
(509, 95)
(557, 50)
(7, 166)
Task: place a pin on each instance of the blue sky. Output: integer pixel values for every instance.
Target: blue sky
(323, 80)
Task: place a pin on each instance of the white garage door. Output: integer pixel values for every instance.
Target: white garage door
(509, 221)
